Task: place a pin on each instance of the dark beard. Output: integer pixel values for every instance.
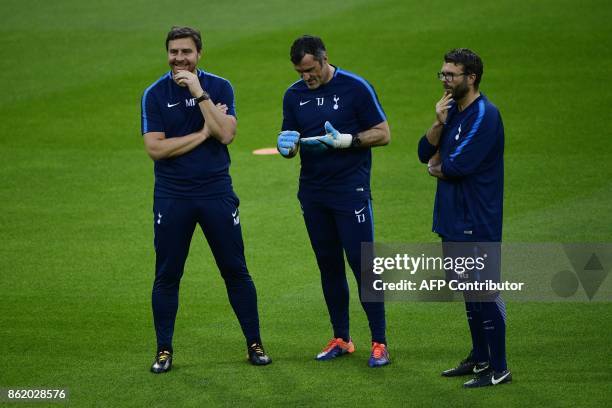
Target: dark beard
(460, 90)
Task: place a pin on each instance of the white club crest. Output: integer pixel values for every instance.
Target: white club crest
(458, 133)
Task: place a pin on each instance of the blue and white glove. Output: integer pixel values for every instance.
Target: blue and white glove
(288, 142)
(331, 140)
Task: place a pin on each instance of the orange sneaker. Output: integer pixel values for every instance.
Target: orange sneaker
(336, 348)
(379, 356)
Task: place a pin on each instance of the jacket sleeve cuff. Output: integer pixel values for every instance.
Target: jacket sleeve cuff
(426, 150)
(449, 169)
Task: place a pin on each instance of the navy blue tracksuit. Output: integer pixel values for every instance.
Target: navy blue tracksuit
(334, 189)
(194, 188)
(469, 207)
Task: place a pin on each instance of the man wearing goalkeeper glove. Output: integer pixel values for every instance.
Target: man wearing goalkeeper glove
(333, 118)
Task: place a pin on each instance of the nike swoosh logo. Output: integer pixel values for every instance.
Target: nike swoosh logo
(234, 213)
(495, 381)
(477, 370)
(359, 212)
(304, 103)
(170, 106)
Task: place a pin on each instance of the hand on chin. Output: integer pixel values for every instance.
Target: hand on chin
(175, 71)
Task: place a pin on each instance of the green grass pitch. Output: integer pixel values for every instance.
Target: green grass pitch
(76, 254)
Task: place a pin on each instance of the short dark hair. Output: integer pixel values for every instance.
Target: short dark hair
(307, 44)
(471, 62)
(177, 32)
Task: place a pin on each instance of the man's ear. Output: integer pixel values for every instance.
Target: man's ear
(471, 79)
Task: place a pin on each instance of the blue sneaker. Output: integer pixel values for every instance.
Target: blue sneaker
(379, 356)
(336, 348)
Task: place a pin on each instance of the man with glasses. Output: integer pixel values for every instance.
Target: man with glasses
(464, 150)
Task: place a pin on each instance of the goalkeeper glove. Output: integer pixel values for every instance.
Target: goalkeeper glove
(287, 142)
(331, 140)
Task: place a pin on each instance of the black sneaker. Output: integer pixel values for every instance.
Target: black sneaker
(490, 378)
(257, 356)
(163, 362)
(466, 367)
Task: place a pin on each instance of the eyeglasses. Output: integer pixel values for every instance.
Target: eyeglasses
(448, 76)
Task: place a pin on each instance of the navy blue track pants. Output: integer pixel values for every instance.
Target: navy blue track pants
(174, 223)
(485, 311)
(336, 229)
